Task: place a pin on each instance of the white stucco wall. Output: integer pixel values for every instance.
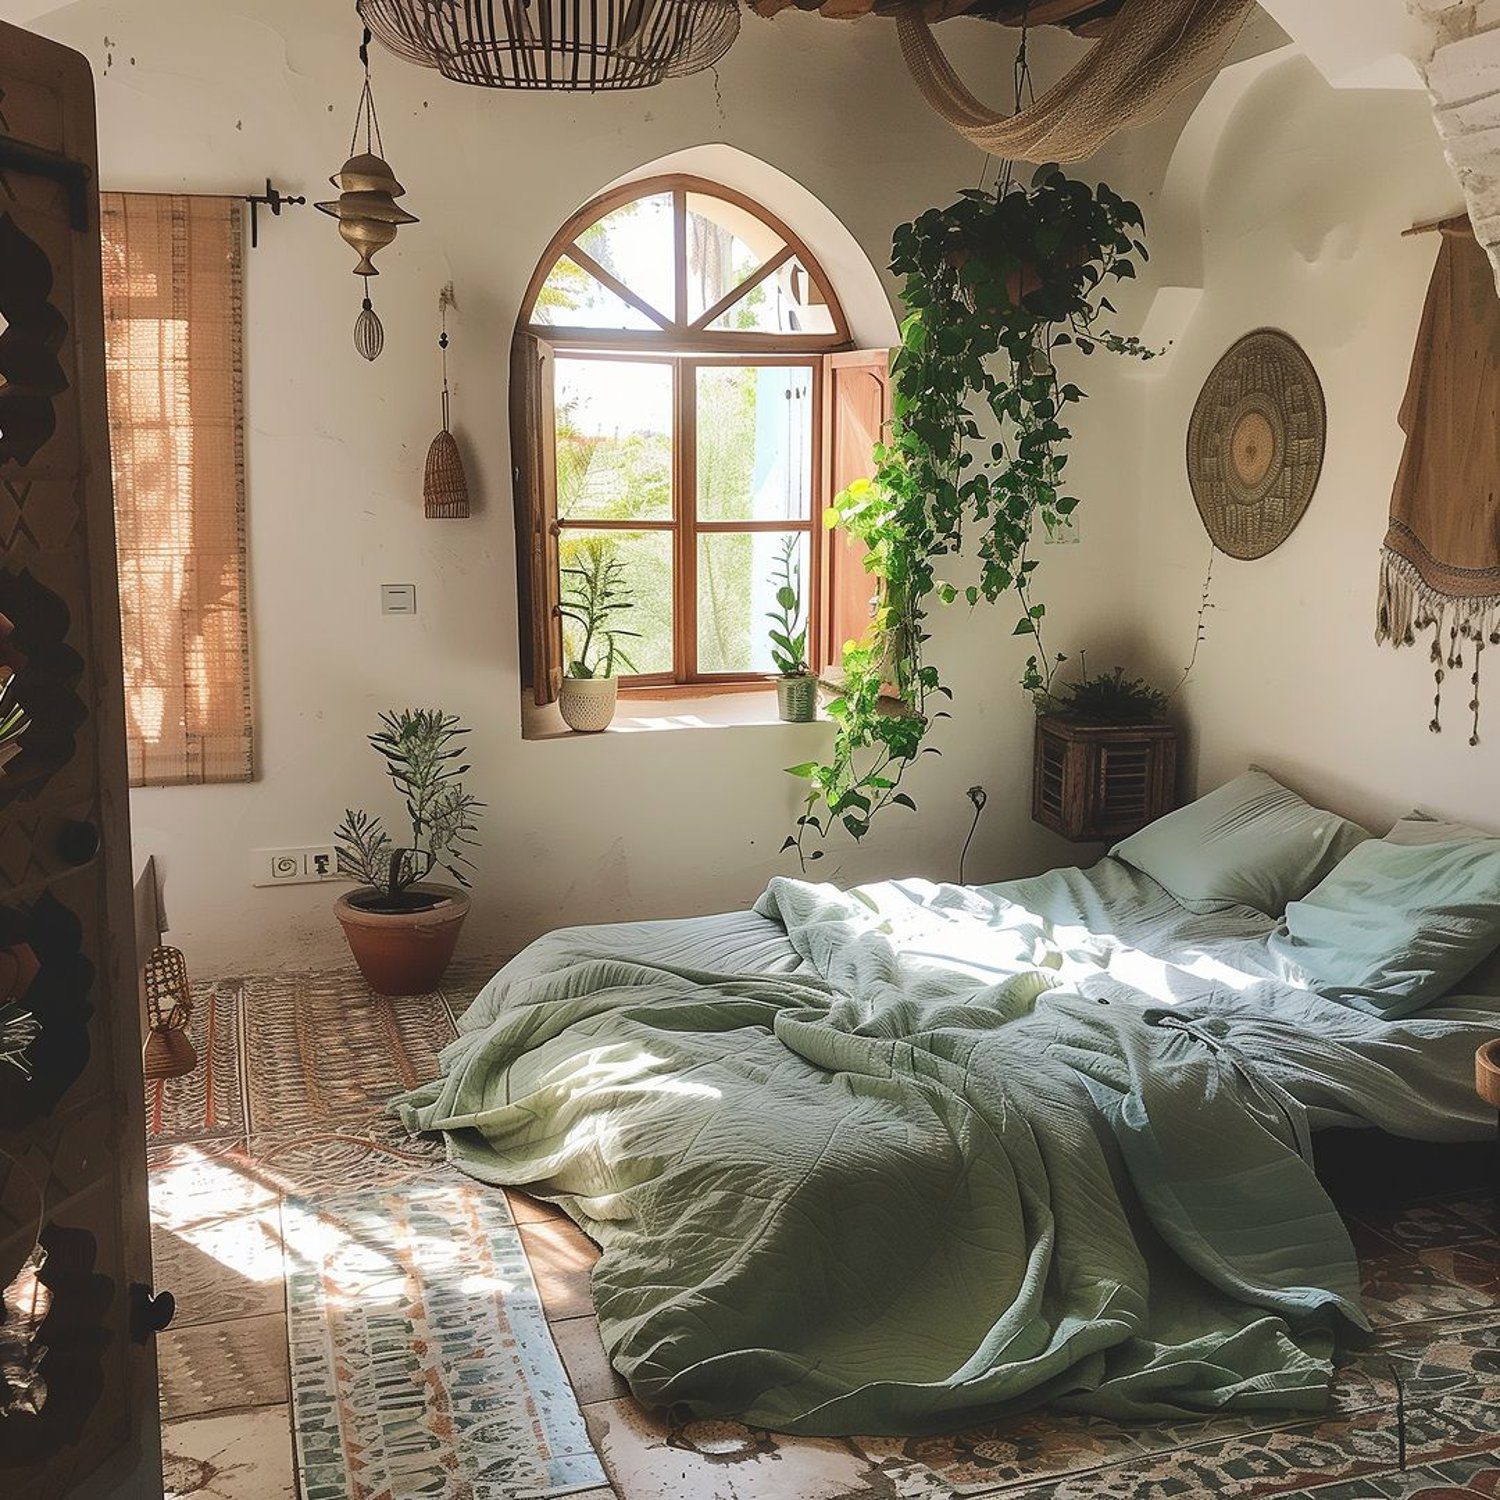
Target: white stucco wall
(212, 95)
(1304, 198)
(1279, 199)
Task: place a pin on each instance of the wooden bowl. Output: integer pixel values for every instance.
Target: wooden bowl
(1487, 1072)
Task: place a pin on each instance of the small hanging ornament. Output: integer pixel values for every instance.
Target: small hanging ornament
(366, 208)
(445, 487)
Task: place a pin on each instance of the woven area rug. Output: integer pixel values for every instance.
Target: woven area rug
(210, 1101)
(321, 1047)
(1431, 1275)
(421, 1362)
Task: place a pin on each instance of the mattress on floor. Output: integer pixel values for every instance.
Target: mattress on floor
(899, 1158)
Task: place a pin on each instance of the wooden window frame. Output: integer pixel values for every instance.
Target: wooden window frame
(689, 345)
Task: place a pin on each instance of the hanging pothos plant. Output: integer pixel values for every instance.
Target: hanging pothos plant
(992, 285)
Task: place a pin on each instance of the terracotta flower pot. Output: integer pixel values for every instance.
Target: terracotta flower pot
(403, 952)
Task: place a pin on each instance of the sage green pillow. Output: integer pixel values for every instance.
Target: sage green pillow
(1252, 842)
(1419, 827)
(1395, 926)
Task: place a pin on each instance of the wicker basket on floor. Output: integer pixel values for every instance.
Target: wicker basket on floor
(168, 1053)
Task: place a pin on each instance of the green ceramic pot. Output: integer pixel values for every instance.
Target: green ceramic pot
(797, 698)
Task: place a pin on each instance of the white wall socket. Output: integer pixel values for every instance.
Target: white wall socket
(309, 865)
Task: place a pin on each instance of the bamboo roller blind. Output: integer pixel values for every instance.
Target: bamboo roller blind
(173, 348)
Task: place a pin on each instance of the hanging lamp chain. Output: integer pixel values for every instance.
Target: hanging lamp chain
(1021, 79)
(443, 345)
(365, 111)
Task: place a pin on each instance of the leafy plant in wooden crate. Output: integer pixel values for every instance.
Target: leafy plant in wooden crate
(992, 285)
(1111, 699)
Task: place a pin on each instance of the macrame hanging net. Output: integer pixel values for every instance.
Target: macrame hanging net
(1152, 52)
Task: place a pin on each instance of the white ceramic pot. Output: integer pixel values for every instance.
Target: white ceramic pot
(588, 703)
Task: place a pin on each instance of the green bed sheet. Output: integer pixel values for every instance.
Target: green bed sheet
(896, 1159)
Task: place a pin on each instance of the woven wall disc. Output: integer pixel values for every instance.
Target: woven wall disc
(1255, 443)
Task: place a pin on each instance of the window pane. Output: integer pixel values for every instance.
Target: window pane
(571, 298)
(754, 442)
(634, 244)
(725, 244)
(644, 576)
(787, 301)
(614, 440)
(738, 575)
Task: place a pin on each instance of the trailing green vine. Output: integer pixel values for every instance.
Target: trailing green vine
(992, 286)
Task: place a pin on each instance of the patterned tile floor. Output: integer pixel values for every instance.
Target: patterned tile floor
(299, 1069)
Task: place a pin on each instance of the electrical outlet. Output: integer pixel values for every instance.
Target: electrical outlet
(310, 865)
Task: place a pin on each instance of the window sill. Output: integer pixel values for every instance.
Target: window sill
(641, 713)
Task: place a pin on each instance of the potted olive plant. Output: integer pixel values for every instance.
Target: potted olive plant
(401, 928)
(595, 596)
(796, 688)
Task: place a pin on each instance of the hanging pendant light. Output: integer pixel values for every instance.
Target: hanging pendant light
(369, 332)
(591, 45)
(445, 486)
(366, 207)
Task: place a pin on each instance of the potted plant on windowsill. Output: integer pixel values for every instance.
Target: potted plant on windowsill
(796, 687)
(401, 929)
(596, 596)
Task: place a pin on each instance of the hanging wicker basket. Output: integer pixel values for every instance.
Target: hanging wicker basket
(445, 487)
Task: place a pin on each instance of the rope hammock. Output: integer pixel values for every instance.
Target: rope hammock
(1153, 51)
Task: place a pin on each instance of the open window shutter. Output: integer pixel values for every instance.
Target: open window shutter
(856, 405)
(534, 473)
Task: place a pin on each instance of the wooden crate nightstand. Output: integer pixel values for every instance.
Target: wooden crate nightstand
(1097, 782)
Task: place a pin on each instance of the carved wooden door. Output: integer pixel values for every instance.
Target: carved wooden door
(79, 1420)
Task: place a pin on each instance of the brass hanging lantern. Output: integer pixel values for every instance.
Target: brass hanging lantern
(366, 207)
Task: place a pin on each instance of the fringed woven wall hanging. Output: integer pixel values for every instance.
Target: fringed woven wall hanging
(588, 45)
(445, 486)
(1440, 565)
(366, 208)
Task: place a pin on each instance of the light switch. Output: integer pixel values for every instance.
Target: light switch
(398, 598)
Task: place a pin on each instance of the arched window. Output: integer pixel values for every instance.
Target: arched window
(670, 400)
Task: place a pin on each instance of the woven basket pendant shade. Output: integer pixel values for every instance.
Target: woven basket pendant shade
(586, 45)
(445, 486)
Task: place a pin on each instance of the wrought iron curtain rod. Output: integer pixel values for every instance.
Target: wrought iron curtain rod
(275, 200)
